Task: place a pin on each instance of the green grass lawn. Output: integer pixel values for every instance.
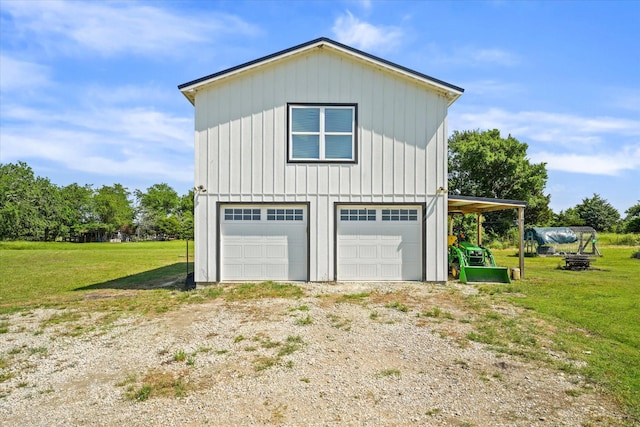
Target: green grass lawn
(597, 314)
(34, 274)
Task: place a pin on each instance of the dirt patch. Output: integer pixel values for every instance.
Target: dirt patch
(335, 356)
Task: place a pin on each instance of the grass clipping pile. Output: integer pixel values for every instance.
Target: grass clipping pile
(313, 354)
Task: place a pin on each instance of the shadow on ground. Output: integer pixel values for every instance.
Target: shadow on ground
(173, 275)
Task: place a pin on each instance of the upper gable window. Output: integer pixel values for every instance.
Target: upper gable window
(322, 133)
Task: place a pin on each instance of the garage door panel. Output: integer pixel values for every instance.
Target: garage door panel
(367, 270)
(368, 252)
(390, 252)
(349, 251)
(389, 271)
(275, 271)
(382, 247)
(234, 251)
(252, 251)
(251, 271)
(371, 236)
(276, 251)
(261, 246)
(349, 270)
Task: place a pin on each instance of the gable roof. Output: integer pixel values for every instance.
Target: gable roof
(452, 92)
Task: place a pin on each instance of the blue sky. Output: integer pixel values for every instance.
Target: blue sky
(88, 90)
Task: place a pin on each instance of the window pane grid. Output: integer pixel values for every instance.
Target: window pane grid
(399, 214)
(357, 214)
(322, 133)
(284, 215)
(242, 214)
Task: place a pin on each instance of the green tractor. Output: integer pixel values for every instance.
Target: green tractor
(471, 263)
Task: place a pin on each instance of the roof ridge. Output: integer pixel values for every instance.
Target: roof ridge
(328, 41)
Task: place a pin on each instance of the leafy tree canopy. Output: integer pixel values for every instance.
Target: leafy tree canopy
(33, 208)
(567, 218)
(18, 212)
(160, 199)
(483, 164)
(113, 207)
(632, 220)
(596, 212)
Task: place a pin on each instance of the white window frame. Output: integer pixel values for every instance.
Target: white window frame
(322, 133)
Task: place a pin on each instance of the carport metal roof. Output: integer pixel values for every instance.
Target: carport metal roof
(468, 205)
(479, 205)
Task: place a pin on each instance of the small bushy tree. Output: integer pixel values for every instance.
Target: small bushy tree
(598, 213)
(567, 218)
(632, 220)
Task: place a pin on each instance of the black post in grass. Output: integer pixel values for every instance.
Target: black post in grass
(189, 282)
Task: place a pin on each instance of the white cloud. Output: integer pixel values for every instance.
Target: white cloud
(493, 88)
(94, 153)
(110, 28)
(566, 142)
(491, 56)
(601, 163)
(118, 142)
(351, 31)
(554, 128)
(472, 56)
(127, 93)
(17, 75)
(129, 124)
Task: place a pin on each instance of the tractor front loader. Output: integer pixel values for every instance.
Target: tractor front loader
(471, 263)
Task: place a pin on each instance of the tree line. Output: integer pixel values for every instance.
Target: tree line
(33, 208)
(481, 164)
(484, 164)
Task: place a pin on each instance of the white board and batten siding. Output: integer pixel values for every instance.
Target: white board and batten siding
(241, 154)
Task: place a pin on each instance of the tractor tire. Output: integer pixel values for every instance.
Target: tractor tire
(455, 271)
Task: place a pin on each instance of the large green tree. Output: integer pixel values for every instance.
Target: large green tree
(483, 164)
(49, 210)
(113, 208)
(632, 220)
(78, 213)
(598, 213)
(160, 199)
(18, 212)
(155, 206)
(30, 206)
(185, 212)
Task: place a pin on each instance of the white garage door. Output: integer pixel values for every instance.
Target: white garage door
(263, 242)
(379, 243)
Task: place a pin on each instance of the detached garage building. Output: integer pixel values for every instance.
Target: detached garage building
(320, 163)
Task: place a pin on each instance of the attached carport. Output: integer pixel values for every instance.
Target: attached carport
(480, 205)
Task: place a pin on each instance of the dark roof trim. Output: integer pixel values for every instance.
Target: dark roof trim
(320, 41)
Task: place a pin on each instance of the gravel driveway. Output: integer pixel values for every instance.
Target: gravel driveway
(317, 360)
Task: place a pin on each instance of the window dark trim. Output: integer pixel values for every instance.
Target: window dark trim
(324, 104)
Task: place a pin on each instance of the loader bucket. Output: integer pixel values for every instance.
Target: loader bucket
(484, 274)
